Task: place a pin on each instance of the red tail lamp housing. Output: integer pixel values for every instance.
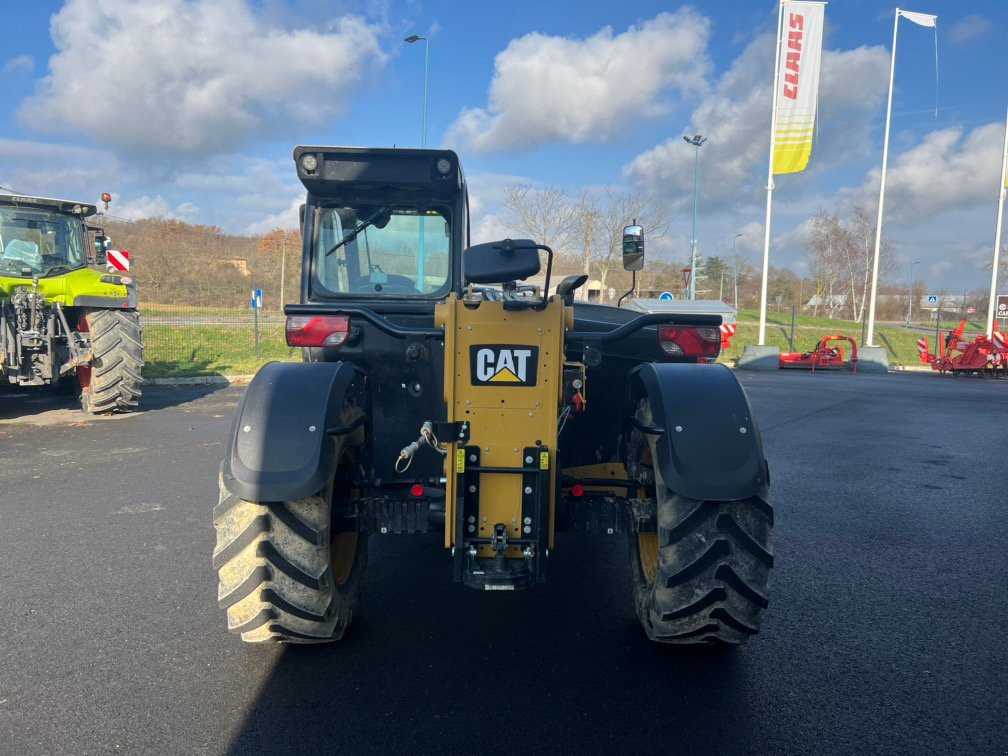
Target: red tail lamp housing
(317, 330)
(700, 342)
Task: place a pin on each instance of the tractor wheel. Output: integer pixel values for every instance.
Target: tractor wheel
(112, 382)
(703, 577)
(289, 571)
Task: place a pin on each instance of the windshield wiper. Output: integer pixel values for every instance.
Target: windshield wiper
(353, 234)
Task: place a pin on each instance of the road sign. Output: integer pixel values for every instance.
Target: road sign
(971, 310)
(932, 300)
(686, 273)
(666, 296)
(1002, 306)
(118, 259)
(256, 299)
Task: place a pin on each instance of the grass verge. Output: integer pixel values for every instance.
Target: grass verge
(194, 350)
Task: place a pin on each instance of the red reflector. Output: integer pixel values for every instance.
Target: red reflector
(416, 490)
(701, 342)
(577, 490)
(317, 330)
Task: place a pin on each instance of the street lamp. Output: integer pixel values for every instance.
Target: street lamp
(410, 40)
(910, 310)
(735, 255)
(423, 143)
(697, 141)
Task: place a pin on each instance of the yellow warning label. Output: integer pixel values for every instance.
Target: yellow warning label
(544, 460)
(460, 460)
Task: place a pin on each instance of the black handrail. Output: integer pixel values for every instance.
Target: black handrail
(643, 321)
(394, 329)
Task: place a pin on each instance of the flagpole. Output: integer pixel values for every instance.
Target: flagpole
(870, 338)
(770, 184)
(997, 234)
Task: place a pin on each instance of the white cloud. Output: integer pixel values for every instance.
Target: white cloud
(735, 116)
(20, 63)
(287, 218)
(79, 173)
(152, 207)
(558, 89)
(949, 169)
(968, 28)
(192, 75)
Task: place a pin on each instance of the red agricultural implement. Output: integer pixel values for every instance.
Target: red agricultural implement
(823, 357)
(986, 357)
(727, 331)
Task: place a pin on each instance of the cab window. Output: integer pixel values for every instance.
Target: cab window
(382, 251)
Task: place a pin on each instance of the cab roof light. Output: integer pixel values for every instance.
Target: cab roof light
(317, 330)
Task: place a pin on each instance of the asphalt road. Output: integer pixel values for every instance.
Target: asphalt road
(884, 634)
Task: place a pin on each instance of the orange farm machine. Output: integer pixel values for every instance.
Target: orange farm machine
(983, 356)
(823, 357)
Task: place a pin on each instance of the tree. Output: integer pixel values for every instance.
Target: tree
(827, 238)
(619, 209)
(859, 257)
(284, 244)
(718, 272)
(545, 213)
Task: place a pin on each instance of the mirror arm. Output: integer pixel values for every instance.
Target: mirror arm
(633, 286)
(549, 269)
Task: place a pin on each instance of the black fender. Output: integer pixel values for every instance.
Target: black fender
(709, 446)
(281, 447)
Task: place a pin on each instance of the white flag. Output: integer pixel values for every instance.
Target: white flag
(797, 85)
(921, 19)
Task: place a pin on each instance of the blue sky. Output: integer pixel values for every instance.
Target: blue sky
(190, 109)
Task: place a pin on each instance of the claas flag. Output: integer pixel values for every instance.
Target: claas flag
(797, 85)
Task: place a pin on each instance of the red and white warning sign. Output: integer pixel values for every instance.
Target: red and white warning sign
(727, 331)
(118, 259)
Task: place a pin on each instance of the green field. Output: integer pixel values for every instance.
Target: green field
(193, 350)
(185, 351)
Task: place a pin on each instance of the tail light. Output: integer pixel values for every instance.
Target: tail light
(702, 343)
(317, 330)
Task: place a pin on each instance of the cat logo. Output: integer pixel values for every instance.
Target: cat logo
(503, 365)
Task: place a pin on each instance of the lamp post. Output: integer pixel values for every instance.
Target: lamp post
(735, 255)
(423, 143)
(410, 40)
(697, 142)
(910, 309)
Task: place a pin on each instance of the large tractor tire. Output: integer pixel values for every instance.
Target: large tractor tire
(703, 577)
(113, 380)
(289, 571)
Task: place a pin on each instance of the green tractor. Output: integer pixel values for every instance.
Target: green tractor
(62, 323)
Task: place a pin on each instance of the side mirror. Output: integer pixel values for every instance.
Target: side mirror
(501, 261)
(102, 245)
(633, 248)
